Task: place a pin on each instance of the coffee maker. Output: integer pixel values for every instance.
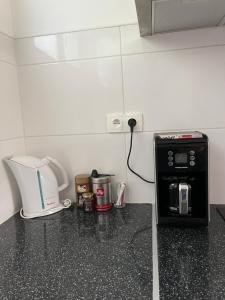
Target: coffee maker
(181, 167)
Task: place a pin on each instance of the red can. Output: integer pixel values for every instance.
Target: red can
(101, 187)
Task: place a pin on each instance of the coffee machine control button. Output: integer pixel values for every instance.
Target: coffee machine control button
(170, 158)
(170, 153)
(170, 163)
(192, 163)
(192, 152)
(192, 157)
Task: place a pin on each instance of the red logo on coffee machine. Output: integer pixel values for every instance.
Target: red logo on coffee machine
(100, 192)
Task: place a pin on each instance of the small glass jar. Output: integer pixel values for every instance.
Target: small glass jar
(89, 202)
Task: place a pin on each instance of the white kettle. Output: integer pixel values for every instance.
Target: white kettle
(38, 185)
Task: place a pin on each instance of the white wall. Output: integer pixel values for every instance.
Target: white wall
(11, 129)
(42, 17)
(69, 81)
(6, 17)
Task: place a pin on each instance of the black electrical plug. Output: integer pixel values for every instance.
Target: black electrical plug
(132, 123)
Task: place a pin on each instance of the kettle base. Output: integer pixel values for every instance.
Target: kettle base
(43, 213)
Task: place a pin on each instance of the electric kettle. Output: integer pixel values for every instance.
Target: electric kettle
(38, 185)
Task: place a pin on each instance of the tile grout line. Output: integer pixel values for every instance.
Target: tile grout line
(68, 60)
(11, 139)
(7, 35)
(155, 264)
(173, 49)
(68, 134)
(13, 13)
(121, 54)
(119, 133)
(73, 31)
(123, 95)
(21, 108)
(121, 61)
(8, 63)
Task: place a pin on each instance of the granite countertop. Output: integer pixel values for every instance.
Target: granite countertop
(77, 255)
(192, 261)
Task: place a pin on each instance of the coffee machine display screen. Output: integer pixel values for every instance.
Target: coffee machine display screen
(181, 158)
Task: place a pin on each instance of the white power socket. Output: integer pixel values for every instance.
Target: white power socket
(117, 122)
(139, 119)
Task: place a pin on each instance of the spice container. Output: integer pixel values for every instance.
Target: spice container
(89, 202)
(82, 186)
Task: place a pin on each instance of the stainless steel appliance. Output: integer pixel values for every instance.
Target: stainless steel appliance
(181, 166)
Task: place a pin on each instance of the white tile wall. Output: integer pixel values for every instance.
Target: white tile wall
(7, 51)
(10, 196)
(71, 78)
(55, 16)
(133, 43)
(175, 79)
(69, 46)
(71, 97)
(142, 162)
(6, 21)
(82, 153)
(216, 165)
(10, 112)
(177, 90)
(11, 127)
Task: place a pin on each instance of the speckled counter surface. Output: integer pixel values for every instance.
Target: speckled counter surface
(192, 261)
(75, 255)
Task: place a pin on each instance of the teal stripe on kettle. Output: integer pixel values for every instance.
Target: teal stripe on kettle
(40, 189)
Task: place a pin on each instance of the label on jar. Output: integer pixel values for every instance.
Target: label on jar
(82, 188)
(100, 192)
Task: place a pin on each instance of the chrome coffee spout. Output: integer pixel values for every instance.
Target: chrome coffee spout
(184, 192)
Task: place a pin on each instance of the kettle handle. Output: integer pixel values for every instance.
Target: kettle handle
(64, 174)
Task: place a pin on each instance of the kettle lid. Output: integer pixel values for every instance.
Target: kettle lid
(29, 161)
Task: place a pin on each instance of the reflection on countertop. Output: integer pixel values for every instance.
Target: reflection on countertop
(192, 261)
(77, 255)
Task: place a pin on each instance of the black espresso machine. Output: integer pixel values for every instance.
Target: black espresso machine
(181, 165)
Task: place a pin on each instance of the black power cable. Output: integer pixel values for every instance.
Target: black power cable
(132, 123)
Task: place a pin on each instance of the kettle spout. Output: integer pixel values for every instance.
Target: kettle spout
(12, 165)
(8, 160)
